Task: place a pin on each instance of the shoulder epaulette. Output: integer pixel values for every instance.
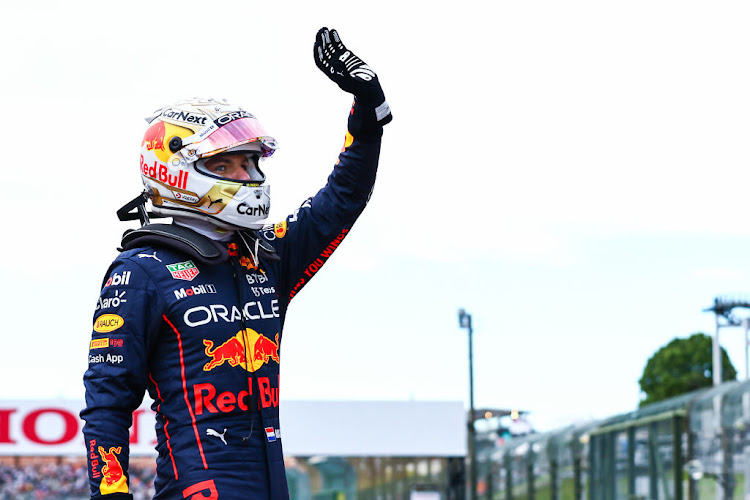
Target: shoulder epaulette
(203, 249)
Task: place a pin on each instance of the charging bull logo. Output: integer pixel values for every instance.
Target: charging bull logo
(236, 351)
(154, 137)
(114, 480)
(247, 263)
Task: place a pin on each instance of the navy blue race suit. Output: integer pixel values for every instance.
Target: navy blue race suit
(205, 341)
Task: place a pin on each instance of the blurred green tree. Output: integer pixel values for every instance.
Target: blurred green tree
(682, 366)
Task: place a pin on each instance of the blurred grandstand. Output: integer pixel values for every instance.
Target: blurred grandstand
(57, 478)
(335, 450)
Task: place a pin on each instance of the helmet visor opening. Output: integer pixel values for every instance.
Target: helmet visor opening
(235, 133)
(239, 166)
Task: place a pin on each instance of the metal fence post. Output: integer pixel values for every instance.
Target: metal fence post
(677, 458)
(508, 477)
(631, 462)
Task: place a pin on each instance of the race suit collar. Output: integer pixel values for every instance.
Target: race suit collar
(205, 228)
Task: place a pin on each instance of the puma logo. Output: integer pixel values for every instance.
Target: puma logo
(153, 256)
(211, 202)
(211, 432)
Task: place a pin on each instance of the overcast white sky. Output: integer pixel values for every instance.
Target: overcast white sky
(574, 174)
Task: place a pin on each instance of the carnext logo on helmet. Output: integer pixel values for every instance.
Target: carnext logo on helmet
(234, 115)
(245, 209)
(183, 116)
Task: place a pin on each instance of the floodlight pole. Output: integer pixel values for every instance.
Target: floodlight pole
(716, 354)
(723, 308)
(464, 321)
(746, 325)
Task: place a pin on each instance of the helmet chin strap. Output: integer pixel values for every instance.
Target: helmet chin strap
(136, 209)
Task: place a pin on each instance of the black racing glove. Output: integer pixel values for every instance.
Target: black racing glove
(350, 73)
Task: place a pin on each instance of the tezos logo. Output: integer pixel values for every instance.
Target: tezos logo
(262, 290)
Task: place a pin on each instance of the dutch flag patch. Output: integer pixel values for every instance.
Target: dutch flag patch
(270, 434)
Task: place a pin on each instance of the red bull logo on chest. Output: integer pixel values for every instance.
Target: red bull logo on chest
(248, 349)
(247, 263)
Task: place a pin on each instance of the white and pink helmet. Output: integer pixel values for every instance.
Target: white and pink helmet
(179, 137)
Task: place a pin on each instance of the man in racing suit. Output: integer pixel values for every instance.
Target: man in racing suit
(193, 311)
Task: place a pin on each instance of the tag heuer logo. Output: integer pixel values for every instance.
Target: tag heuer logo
(183, 270)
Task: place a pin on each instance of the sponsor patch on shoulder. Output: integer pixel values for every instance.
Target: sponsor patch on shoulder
(99, 343)
(183, 270)
(108, 323)
(106, 342)
(118, 279)
(279, 229)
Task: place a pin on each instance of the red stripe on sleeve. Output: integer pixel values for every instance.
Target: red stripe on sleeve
(185, 393)
(166, 423)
